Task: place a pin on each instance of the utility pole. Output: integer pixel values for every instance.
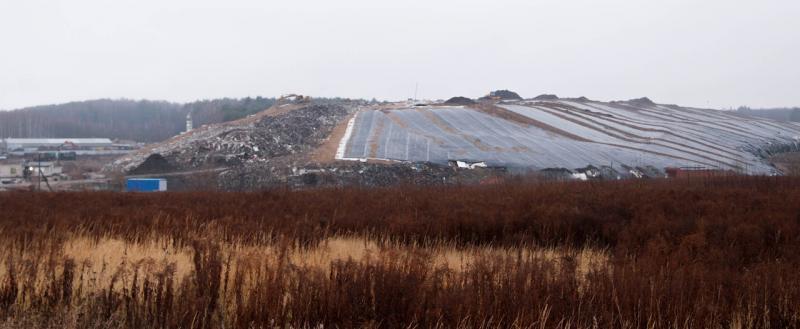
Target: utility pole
(416, 88)
(58, 154)
(42, 175)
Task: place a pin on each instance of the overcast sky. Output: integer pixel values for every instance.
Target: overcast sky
(709, 53)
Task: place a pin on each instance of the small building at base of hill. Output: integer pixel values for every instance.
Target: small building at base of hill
(11, 170)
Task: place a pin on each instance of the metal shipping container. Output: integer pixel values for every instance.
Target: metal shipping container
(146, 185)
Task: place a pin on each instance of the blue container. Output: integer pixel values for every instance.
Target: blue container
(146, 185)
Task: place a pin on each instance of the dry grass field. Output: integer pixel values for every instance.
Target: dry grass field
(711, 253)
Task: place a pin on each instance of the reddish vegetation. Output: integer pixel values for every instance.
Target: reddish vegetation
(682, 253)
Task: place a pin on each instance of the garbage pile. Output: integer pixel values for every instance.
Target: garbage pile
(154, 164)
(249, 142)
(502, 95)
(459, 100)
(296, 131)
(353, 174)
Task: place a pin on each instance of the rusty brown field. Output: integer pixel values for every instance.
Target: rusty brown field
(712, 253)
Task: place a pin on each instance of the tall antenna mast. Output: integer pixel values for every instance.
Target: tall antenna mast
(189, 122)
(416, 88)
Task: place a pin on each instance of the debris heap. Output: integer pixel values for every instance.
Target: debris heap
(247, 142)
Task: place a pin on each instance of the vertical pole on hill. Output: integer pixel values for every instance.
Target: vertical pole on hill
(39, 158)
(408, 137)
(416, 88)
(427, 150)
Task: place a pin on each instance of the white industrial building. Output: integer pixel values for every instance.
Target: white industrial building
(21, 146)
(47, 169)
(15, 170)
(11, 170)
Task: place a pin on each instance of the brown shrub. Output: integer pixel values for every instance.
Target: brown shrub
(720, 252)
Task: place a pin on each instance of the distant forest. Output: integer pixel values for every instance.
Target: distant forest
(779, 114)
(143, 121)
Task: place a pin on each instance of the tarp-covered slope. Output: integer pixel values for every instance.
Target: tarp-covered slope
(569, 134)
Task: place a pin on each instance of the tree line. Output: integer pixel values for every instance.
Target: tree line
(778, 114)
(138, 120)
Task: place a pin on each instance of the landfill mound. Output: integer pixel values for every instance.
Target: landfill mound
(459, 100)
(285, 130)
(502, 95)
(304, 143)
(154, 164)
(644, 101)
(636, 138)
(546, 97)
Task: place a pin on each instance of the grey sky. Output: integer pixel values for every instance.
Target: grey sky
(710, 53)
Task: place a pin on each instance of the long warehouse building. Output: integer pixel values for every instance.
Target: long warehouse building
(28, 145)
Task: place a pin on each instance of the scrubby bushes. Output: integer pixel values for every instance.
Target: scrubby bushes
(719, 252)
